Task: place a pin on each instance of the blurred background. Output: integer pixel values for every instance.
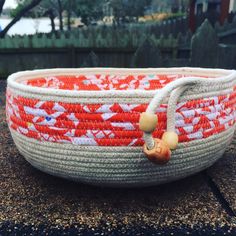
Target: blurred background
(116, 33)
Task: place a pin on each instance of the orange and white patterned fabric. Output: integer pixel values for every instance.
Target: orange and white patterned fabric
(113, 124)
(104, 82)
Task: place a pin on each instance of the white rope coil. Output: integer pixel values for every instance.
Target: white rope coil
(120, 166)
(176, 88)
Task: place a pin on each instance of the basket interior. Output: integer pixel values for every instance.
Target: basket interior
(95, 122)
(94, 82)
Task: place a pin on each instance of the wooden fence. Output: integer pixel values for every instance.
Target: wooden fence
(202, 49)
(126, 36)
(102, 37)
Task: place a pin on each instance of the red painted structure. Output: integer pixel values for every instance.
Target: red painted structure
(224, 11)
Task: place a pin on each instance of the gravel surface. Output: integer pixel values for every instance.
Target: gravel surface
(223, 174)
(32, 202)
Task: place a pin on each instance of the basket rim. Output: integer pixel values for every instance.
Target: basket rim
(14, 79)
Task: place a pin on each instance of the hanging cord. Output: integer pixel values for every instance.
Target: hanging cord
(158, 150)
(172, 102)
(174, 98)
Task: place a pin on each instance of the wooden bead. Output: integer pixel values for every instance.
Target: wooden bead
(160, 154)
(171, 139)
(147, 122)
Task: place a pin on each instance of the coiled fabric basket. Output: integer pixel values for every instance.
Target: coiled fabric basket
(82, 124)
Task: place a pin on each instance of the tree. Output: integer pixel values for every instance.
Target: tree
(70, 7)
(52, 17)
(170, 5)
(118, 11)
(55, 8)
(30, 4)
(60, 9)
(184, 5)
(1, 5)
(129, 10)
(89, 11)
(50, 8)
(174, 6)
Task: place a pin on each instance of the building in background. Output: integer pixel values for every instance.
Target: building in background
(232, 6)
(213, 9)
(203, 6)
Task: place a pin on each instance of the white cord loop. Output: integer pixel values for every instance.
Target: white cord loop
(171, 108)
(174, 90)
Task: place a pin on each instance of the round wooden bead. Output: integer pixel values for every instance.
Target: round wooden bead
(147, 122)
(171, 139)
(160, 154)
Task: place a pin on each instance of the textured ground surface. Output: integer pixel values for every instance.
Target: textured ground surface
(32, 202)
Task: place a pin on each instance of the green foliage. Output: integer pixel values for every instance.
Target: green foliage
(35, 12)
(89, 10)
(176, 15)
(38, 11)
(128, 10)
(93, 10)
(21, 4)
(173, 6)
